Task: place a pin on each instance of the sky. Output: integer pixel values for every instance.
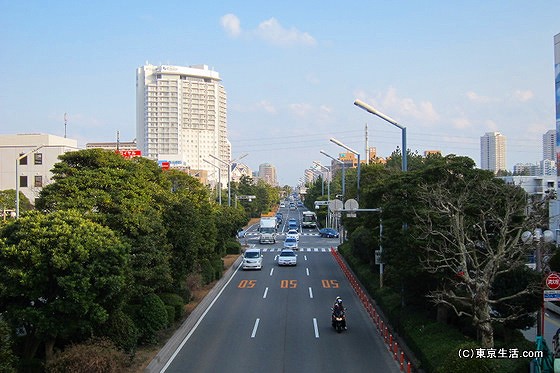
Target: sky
(448, 71)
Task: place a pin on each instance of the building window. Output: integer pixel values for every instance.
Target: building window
(22, 161)
(38, 181)
(38, 158)
(23, 181)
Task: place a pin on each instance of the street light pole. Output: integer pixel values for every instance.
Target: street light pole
(343, 171)
(219, 180)
(372, 110)
(228, 164)
(335, 141)
(329, 176)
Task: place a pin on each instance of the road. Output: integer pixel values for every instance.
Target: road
(278, 319)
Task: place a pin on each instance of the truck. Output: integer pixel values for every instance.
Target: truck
(309, 219)
(267, 229)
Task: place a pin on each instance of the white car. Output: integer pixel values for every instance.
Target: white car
(291, 243)
(287, 257)
(252, 259)
(293, 233)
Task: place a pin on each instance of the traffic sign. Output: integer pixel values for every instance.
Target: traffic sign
(553, 281)
(551, 295)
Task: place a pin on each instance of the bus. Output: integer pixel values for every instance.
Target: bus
(309, 219)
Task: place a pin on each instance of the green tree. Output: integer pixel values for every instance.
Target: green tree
(7, 356)
(191, 226)
(127, 195)
(8, 201)
(60, 275)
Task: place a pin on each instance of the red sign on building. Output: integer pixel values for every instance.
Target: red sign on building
(130, 153)
(165, 165)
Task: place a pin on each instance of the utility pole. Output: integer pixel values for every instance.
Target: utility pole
(367, 146)
(65, 123)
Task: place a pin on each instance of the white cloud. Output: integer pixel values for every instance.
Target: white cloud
(232, 25)
(270, 31)
(461, 123)
(394, 106)
(474, 97)
(266, 106)
(301, 110)
(273, 32)
(523, 96)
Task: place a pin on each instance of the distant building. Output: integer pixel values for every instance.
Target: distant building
(239, 170)
(121, 145)
(493, 152)
(267, 172)
(181, 117)
(534, 185)
(34, 169)
(549, 145)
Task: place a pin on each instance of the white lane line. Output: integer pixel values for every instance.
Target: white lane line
(307, 271)
(310, 293)
(198, 322)
(255, 328)
(315, 327)
(305, 257)
(265, 292)
(271, 271)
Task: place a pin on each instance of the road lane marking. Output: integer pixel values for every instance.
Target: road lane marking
(265, 292)
(255, 328)
(307, 271)
(199, 321)
(315, 327)
(271, 271)
(305, 257)
(310, 293)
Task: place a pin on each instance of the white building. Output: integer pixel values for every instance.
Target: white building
(181, 116)
(493, 152)
(35, 156)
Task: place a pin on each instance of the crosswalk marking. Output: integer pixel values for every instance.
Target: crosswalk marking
(301, 249)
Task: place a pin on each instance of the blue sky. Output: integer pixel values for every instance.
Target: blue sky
(449, 71)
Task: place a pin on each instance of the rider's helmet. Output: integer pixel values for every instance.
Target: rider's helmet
(339, 300)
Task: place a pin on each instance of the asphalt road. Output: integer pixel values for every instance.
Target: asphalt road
(278, 320)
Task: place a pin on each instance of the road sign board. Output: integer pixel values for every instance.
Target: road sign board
(553, 281)
(551, 295)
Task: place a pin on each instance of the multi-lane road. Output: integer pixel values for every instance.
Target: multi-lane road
(278, 319)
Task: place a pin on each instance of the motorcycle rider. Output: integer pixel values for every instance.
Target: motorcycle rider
(338, 308)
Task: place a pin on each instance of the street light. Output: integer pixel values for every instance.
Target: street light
(328, 185)
(335, 141)
(228, 164)
(373, 111)
(343, 171)
(219, 180)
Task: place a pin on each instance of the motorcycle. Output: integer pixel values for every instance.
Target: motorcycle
(338, 319)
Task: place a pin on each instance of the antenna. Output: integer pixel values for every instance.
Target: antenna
(65, 123)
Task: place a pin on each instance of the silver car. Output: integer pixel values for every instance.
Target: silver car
(287, 257)
(252, 259)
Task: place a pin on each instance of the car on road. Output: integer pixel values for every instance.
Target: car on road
(252, 259)
(282, 204)
(290, 243)
(287, 257)
(293, 233)
(328, 232)
(292, 224)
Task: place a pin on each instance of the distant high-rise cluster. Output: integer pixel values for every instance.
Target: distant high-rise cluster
(557, 86)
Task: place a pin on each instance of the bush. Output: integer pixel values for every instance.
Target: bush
(170, 314)
(150, 318)
(120, 328)
(233, 247)
(175, 301)
(93, 356)
(7, 358)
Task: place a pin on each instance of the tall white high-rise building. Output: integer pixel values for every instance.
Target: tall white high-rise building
(181, 117)
(549, 145)
(557, 97)
(493, 152)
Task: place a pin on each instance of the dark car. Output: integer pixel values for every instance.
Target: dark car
(328, 232)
